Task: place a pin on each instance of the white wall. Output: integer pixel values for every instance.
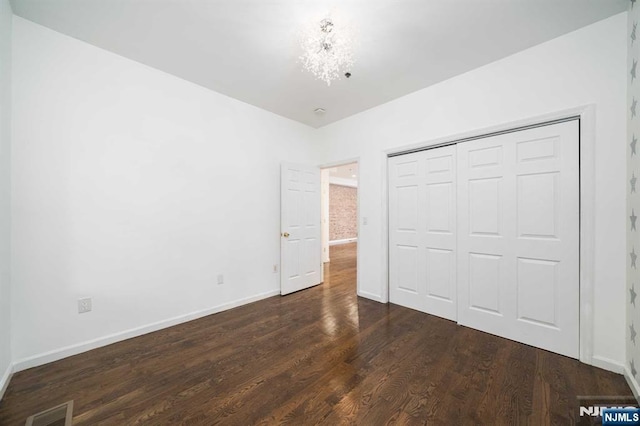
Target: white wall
(584, 67)
(5, 187)
(135, 188)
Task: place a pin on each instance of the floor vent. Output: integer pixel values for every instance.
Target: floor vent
(60, 415)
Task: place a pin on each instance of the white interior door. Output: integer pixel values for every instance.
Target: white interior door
(518, 236)
(422, 224)
(300, 240)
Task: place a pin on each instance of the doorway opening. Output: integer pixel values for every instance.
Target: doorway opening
(339, 222)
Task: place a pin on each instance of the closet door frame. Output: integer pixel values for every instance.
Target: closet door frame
(586, 115)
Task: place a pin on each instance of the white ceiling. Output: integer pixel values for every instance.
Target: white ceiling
(247, 49)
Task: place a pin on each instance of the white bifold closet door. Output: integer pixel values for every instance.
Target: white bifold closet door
(518, 236)
(486, 232)
(422, 224)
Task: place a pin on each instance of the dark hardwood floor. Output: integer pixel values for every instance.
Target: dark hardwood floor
(317, 356)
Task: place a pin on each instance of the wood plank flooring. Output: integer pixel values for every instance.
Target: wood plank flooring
(319, 356)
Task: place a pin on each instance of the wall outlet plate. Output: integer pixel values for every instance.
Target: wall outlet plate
(220, 279)
(275, 268)
(84, 305)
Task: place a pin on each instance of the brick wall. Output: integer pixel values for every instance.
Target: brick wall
(343, 212)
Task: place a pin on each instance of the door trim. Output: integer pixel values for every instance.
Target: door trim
(487, 135)
(359, 291)
(586, 115)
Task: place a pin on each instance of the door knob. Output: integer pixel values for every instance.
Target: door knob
(286, 235)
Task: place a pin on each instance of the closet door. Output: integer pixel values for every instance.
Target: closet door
(518, 236)
(422, 238)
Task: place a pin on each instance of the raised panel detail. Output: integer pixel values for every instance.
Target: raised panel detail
(484, 157)
(295, 221)
(439, 207)
(407, 268)
(439, 164)
(440, 273)
(309, 185)
(293, 252)
(407, 208)
(293, 175)
(537, 282)
(484, 282)
(310, 246)
(540, 149)
(484, 206)
(538, 205)
(408, 169)
(310, 206)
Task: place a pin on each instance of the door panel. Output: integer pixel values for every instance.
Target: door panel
(537, 205)
(440, 199)
(300, 245)
(407, 271)
(485, 283)
(407, 208)
(485, 214)
(518, 242)
(537, 282)
(441, 270)
(422, 257)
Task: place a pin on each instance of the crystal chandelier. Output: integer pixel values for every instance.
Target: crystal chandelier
(327, 49)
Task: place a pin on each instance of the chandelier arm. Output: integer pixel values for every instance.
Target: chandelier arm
(327, 50)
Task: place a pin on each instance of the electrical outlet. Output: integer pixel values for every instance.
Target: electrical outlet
(364, 220)
(220, 279)
(275, 268)
(84, 305)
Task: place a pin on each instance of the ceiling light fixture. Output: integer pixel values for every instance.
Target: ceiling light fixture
(327, 49)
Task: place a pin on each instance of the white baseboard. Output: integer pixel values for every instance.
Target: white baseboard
(371, 296)
(633, 383)
(57, 354)
(344, 241)
(4, 380)
(607, 364)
